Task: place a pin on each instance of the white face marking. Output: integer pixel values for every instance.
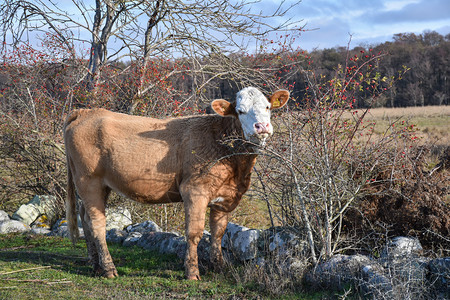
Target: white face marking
(253, 110)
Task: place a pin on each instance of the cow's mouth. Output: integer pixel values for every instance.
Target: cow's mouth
(259, 140)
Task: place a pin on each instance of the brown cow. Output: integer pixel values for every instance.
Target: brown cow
(204, 161)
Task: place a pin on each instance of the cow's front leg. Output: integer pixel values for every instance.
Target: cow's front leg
(218, 221)
(195, 203)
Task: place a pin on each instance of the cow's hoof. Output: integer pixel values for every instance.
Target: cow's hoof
(112, 273)
(193, 277)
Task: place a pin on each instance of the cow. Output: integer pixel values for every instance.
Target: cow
(202, 160)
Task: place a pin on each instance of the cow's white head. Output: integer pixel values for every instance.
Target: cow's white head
(253, 110)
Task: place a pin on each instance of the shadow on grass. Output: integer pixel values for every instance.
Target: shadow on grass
(61, 255)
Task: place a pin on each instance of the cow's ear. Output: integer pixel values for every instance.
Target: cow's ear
(279, 99)
(223, 108)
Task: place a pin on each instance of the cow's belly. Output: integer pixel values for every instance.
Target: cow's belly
(147, 190)
(145, 172)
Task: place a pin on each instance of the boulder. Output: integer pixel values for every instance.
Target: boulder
(3, 216)
(41, 222)
(39, 205)
(173, 243)
(401, 246)
(60, 228)
(10, 226)
(132, 239)
(27, 213)
(409, 271)
(338, 271)
(40, 231)
(375, 284)
(163, 242)
(116, 235)
(117, 217)
(283, 242)
(439, 270)
(241, 241)
(147, 226)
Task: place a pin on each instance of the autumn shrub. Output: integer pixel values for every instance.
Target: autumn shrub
(408, 201)
(326, 156)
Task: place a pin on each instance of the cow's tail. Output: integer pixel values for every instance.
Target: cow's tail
(71, 207)
(71, 199)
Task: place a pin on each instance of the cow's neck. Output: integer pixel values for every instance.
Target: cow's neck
(231, 136)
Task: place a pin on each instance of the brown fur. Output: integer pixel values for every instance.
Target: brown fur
(154, 161)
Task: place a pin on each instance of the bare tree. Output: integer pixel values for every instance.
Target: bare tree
(140, 31)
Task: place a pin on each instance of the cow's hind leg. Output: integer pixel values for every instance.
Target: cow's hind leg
(218, 221)
(90, 243)
(94, 197)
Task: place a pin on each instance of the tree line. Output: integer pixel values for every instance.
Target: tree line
(424, 60)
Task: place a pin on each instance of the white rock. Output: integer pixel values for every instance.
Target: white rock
(40, 231)
(27, 213)
(401, 246)
(117, 217)
(147, 226)
(10, 226)
(132, 239)
(39, 205)
(242, 241)
(3, 216)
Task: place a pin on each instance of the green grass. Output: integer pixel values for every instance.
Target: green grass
(39, 267)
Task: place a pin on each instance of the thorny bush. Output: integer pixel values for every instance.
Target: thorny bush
(327, 157)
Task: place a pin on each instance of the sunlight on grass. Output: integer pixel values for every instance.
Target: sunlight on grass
(50, 268)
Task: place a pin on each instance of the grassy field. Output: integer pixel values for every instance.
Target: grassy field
(39, 267)
(432, 122)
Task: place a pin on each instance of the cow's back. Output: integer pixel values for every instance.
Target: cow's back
(136, 156)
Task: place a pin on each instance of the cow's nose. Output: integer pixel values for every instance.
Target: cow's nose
(262, 128)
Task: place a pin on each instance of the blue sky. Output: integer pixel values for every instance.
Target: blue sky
(368, 21)
(330, 23)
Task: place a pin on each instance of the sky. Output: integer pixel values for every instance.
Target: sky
(331, 22)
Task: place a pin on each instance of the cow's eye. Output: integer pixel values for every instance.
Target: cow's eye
(267, 107)
(240, 112)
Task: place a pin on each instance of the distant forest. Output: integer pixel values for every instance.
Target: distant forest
(59, 84)
(427, 82)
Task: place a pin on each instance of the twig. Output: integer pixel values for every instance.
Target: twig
(24, 270)
(19, 247)
(36, 280)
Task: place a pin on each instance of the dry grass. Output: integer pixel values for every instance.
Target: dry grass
(432, 122)
(415, 112)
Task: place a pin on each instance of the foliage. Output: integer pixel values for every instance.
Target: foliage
(425, 57)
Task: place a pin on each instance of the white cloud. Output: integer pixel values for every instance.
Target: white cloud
(397, 5)
(368, 21)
